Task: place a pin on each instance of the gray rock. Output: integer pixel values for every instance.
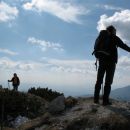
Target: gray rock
(19, 120)
(57, 105)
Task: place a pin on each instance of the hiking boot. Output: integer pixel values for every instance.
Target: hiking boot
(106, 103)
(96, 101)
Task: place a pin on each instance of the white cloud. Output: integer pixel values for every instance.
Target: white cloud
(71, 74)
(83, 67)
(44, 45)
(6, 63)
(7, 12)
(6, 51)
(109, 7)
(52, 71)
(72, 66)
(122, 75)
(124, 63)
(120, 20)
(66, 11)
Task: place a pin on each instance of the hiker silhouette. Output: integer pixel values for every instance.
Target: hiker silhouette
(105, 50)
(15, 82)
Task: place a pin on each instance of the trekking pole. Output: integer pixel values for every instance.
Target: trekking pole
(8, 85)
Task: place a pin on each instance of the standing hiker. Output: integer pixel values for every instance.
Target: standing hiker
(15, 82)
(105, 51)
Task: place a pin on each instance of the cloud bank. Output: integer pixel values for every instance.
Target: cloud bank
(52, 71)
(6, 63)
(55, 72)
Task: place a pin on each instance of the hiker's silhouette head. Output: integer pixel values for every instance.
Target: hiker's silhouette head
(15, 74)
(111, 29)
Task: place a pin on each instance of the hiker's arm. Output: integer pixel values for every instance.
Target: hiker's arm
(122, 45)
(10, 80)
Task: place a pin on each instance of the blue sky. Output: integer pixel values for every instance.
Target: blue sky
(49, 42)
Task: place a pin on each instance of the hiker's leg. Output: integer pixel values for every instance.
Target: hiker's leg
(100, 75)
(15, 87)
(110, 70)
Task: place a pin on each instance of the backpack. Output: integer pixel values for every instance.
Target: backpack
(102, 45)
(16, 81)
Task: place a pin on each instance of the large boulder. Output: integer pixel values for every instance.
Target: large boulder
(57, 105)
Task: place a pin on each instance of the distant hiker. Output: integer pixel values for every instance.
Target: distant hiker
(105, 50)
(15, 82)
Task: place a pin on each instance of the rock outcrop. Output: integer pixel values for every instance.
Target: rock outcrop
(89, 116)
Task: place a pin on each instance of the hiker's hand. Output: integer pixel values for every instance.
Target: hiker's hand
(8, 80)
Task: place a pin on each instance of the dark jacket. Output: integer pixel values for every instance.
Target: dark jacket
(115, 43)
(15, 81)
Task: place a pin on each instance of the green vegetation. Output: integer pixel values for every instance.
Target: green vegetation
(45, 93)
(31, 104)
(13, 103)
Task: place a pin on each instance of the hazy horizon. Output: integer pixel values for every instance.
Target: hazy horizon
(66, 90)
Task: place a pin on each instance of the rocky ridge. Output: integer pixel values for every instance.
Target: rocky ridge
(80, 114)
(86, 115)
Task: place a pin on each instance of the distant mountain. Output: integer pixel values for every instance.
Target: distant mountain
(121, 93)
